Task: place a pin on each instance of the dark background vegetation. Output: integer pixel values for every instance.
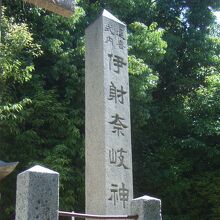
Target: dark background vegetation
(174, 66)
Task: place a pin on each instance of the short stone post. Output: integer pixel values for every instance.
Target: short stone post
(37, 195)
(147, 208)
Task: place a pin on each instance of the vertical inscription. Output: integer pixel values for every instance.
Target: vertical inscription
(115, 36)
(119, 129)
(109, 185)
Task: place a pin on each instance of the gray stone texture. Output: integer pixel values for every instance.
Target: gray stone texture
(62, 7)
(147, 208)
(37, 195)
(109, 181)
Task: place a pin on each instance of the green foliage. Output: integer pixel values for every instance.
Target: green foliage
(17, 51)
(40, 128)
(147, 40)
(143, 77)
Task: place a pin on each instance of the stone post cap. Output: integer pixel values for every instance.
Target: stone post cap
(147, 198)
(39, 169)
(108, 15)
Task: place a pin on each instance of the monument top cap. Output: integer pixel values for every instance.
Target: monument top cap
(147, 198)
(40, 169)
(107, 14)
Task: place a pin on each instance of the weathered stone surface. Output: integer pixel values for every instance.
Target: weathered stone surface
(61, 7)
(37, 194)
(147, 208)
(109, 185)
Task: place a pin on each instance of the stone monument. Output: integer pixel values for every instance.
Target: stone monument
(109, 181)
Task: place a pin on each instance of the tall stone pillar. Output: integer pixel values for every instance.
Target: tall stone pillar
(109, 182)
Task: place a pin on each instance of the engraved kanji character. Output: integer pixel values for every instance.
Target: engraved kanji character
(123, 194)
(116, 94)
(109, 28)
(121, 158)
(121, 44)
(118, 125)
(110, 40)
(119, 63)
(121, 33)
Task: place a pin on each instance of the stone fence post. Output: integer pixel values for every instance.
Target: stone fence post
(147, 208)
(37, 196)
